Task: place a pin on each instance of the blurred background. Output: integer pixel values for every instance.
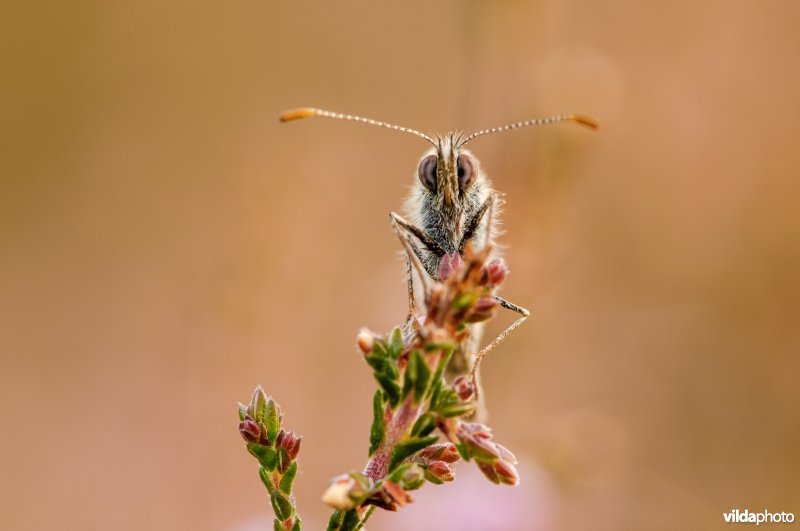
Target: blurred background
(166, 245)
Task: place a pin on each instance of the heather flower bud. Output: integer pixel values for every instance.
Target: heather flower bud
(464, 387)
(249, 430)
(395, 493)
(347, 491)
(413, 478)
(338, 493)
(489, 472)
(506, 454)
(476, 438)
(440, 452)
(449, 264)
(263, 439)
(439, 472)
(477, 429)
(483, 309)
(449, 454)
(482, 449)
(291, 443)
(506, 472)
(365, 340)
(494, 273)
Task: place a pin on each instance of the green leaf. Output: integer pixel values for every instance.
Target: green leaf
(447, 346)
(459, 409)
(242, 412)
(422, 379)
(464, 300)
(265, 455)
(377, 432)
(391, 370)
(288, 478)
(437, 380)
(424, 425)
(282, 506)
(445, 396)
(443, 361)
(396, 345)
(261, 411)
(277, 525)
(263, 473)
(272, 421)
(350, 521)
(335, 521)
(435, 391)
(379, 363)
(408, 448)
(413, 479)
(298, 525)
(410, 376)
(380, 348)
(390, 387)
(283, 459)
(463, 451)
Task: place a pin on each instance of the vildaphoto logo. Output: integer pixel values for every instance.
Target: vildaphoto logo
(746, 517)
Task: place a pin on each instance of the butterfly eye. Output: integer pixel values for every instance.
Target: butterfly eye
(466, 171)
(427, 172)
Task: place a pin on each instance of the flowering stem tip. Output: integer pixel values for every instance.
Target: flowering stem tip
(276, 451)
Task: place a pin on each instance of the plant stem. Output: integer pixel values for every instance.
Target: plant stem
(367, 514)
(398, 425)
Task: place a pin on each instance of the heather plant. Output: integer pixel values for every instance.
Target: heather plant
(422, 424)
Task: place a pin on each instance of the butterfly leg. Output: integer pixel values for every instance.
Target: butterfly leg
(496, 341)
(404, 232)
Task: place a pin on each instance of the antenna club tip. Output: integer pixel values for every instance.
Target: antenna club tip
(296, 114)
(583, 120)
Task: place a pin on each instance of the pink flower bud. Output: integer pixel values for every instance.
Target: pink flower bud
(396, 493)
(483, 309)
(365, 340)
(488, 471)
(449, 264)
(475, 428)
(291, 443)
(249, 430)
(476, 437)
(413, 478)
(506, 472)
(494, 273)
(506, 454)
(347, 491)
(441, 471)
(463, 387)
(440, 452)
(482, 449)
(450, 454)
(338, 494)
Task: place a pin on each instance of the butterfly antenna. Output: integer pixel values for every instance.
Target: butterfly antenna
(575, 118)
(307, 112)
